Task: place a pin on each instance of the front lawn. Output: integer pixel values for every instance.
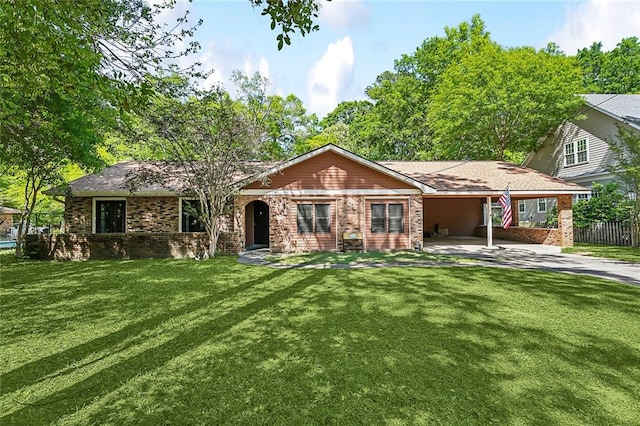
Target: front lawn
(627, 254)
(186, 342)
(401, 257)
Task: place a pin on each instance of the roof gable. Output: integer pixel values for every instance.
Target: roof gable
(329, 166)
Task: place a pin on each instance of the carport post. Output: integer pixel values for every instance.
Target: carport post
(489, 224)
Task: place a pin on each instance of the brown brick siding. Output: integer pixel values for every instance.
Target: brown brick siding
(144, 214)
(124, 246)
(546, 236)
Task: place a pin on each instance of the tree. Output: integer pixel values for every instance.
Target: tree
(496, 103)
(608, 204)
(289, 16)
(68, 72)
(287, 126)
(617, 71)
(626, 148)
(396, 126)
(209, 141)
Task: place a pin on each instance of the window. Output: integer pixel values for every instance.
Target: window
(314, 218)
(576, 152)
(110, 216)
(190, 221)
(582, 150)
(387, 218)
(323, 218)
(542, 205)
(522, 207)
(582, 197)
(378, 218)
(305, 219)
(396, 218)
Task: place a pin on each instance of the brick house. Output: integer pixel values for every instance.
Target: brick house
(321, 200)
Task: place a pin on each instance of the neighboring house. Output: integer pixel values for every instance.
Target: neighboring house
(7, 215)
(578, 151)
(312, 202)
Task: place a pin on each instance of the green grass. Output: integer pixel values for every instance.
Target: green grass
(355, 258)
(627, 254)
(186, 342)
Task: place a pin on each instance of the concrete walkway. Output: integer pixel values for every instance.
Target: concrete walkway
(505, 254)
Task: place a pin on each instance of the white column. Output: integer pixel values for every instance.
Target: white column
(489, 224)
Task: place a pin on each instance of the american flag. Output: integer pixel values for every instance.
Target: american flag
(505, 202)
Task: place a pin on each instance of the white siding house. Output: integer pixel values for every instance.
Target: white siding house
(578, 151)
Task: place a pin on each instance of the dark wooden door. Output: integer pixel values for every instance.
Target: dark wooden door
(261, 223)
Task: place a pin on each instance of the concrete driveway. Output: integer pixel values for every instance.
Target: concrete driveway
(535, 256)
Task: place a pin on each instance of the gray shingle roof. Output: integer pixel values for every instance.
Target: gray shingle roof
(622, 107)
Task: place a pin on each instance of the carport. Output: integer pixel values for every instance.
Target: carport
(466, 192)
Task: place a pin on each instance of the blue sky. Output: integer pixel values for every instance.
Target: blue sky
(360, 39)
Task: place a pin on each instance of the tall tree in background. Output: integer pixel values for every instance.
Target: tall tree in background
(396, 127)
(496, 103)
(287, 126)
(617, 71)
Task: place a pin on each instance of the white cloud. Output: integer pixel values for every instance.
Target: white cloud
(607, 21)
(223, 57)
(344, 14)
(331, 78)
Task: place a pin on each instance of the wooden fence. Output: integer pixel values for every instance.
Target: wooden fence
(609, 233)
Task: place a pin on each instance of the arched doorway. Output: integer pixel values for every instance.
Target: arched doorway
(256, 225)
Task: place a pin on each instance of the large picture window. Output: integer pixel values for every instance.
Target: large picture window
(314, 218)
(190, 211)
(110, 216)
(387, 218)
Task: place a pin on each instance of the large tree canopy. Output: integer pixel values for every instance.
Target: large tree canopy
(497, 102)
(616, 71)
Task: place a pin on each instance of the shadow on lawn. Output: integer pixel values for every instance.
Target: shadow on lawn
(109, 379)
(428, 345)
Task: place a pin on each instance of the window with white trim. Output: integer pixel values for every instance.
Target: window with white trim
(522, 207)
(314, 218)
(576, 152)
(542, 205)
(110, 216)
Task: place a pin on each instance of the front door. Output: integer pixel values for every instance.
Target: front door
(261, 223)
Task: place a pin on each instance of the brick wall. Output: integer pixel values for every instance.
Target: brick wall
(124, 246)
(351, 217)
(527, 235)
(144, 214)
(152, 214)
(77, 215)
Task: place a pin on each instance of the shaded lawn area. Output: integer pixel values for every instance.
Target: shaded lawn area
(355, 258)
(186, 342)
(627, 254)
